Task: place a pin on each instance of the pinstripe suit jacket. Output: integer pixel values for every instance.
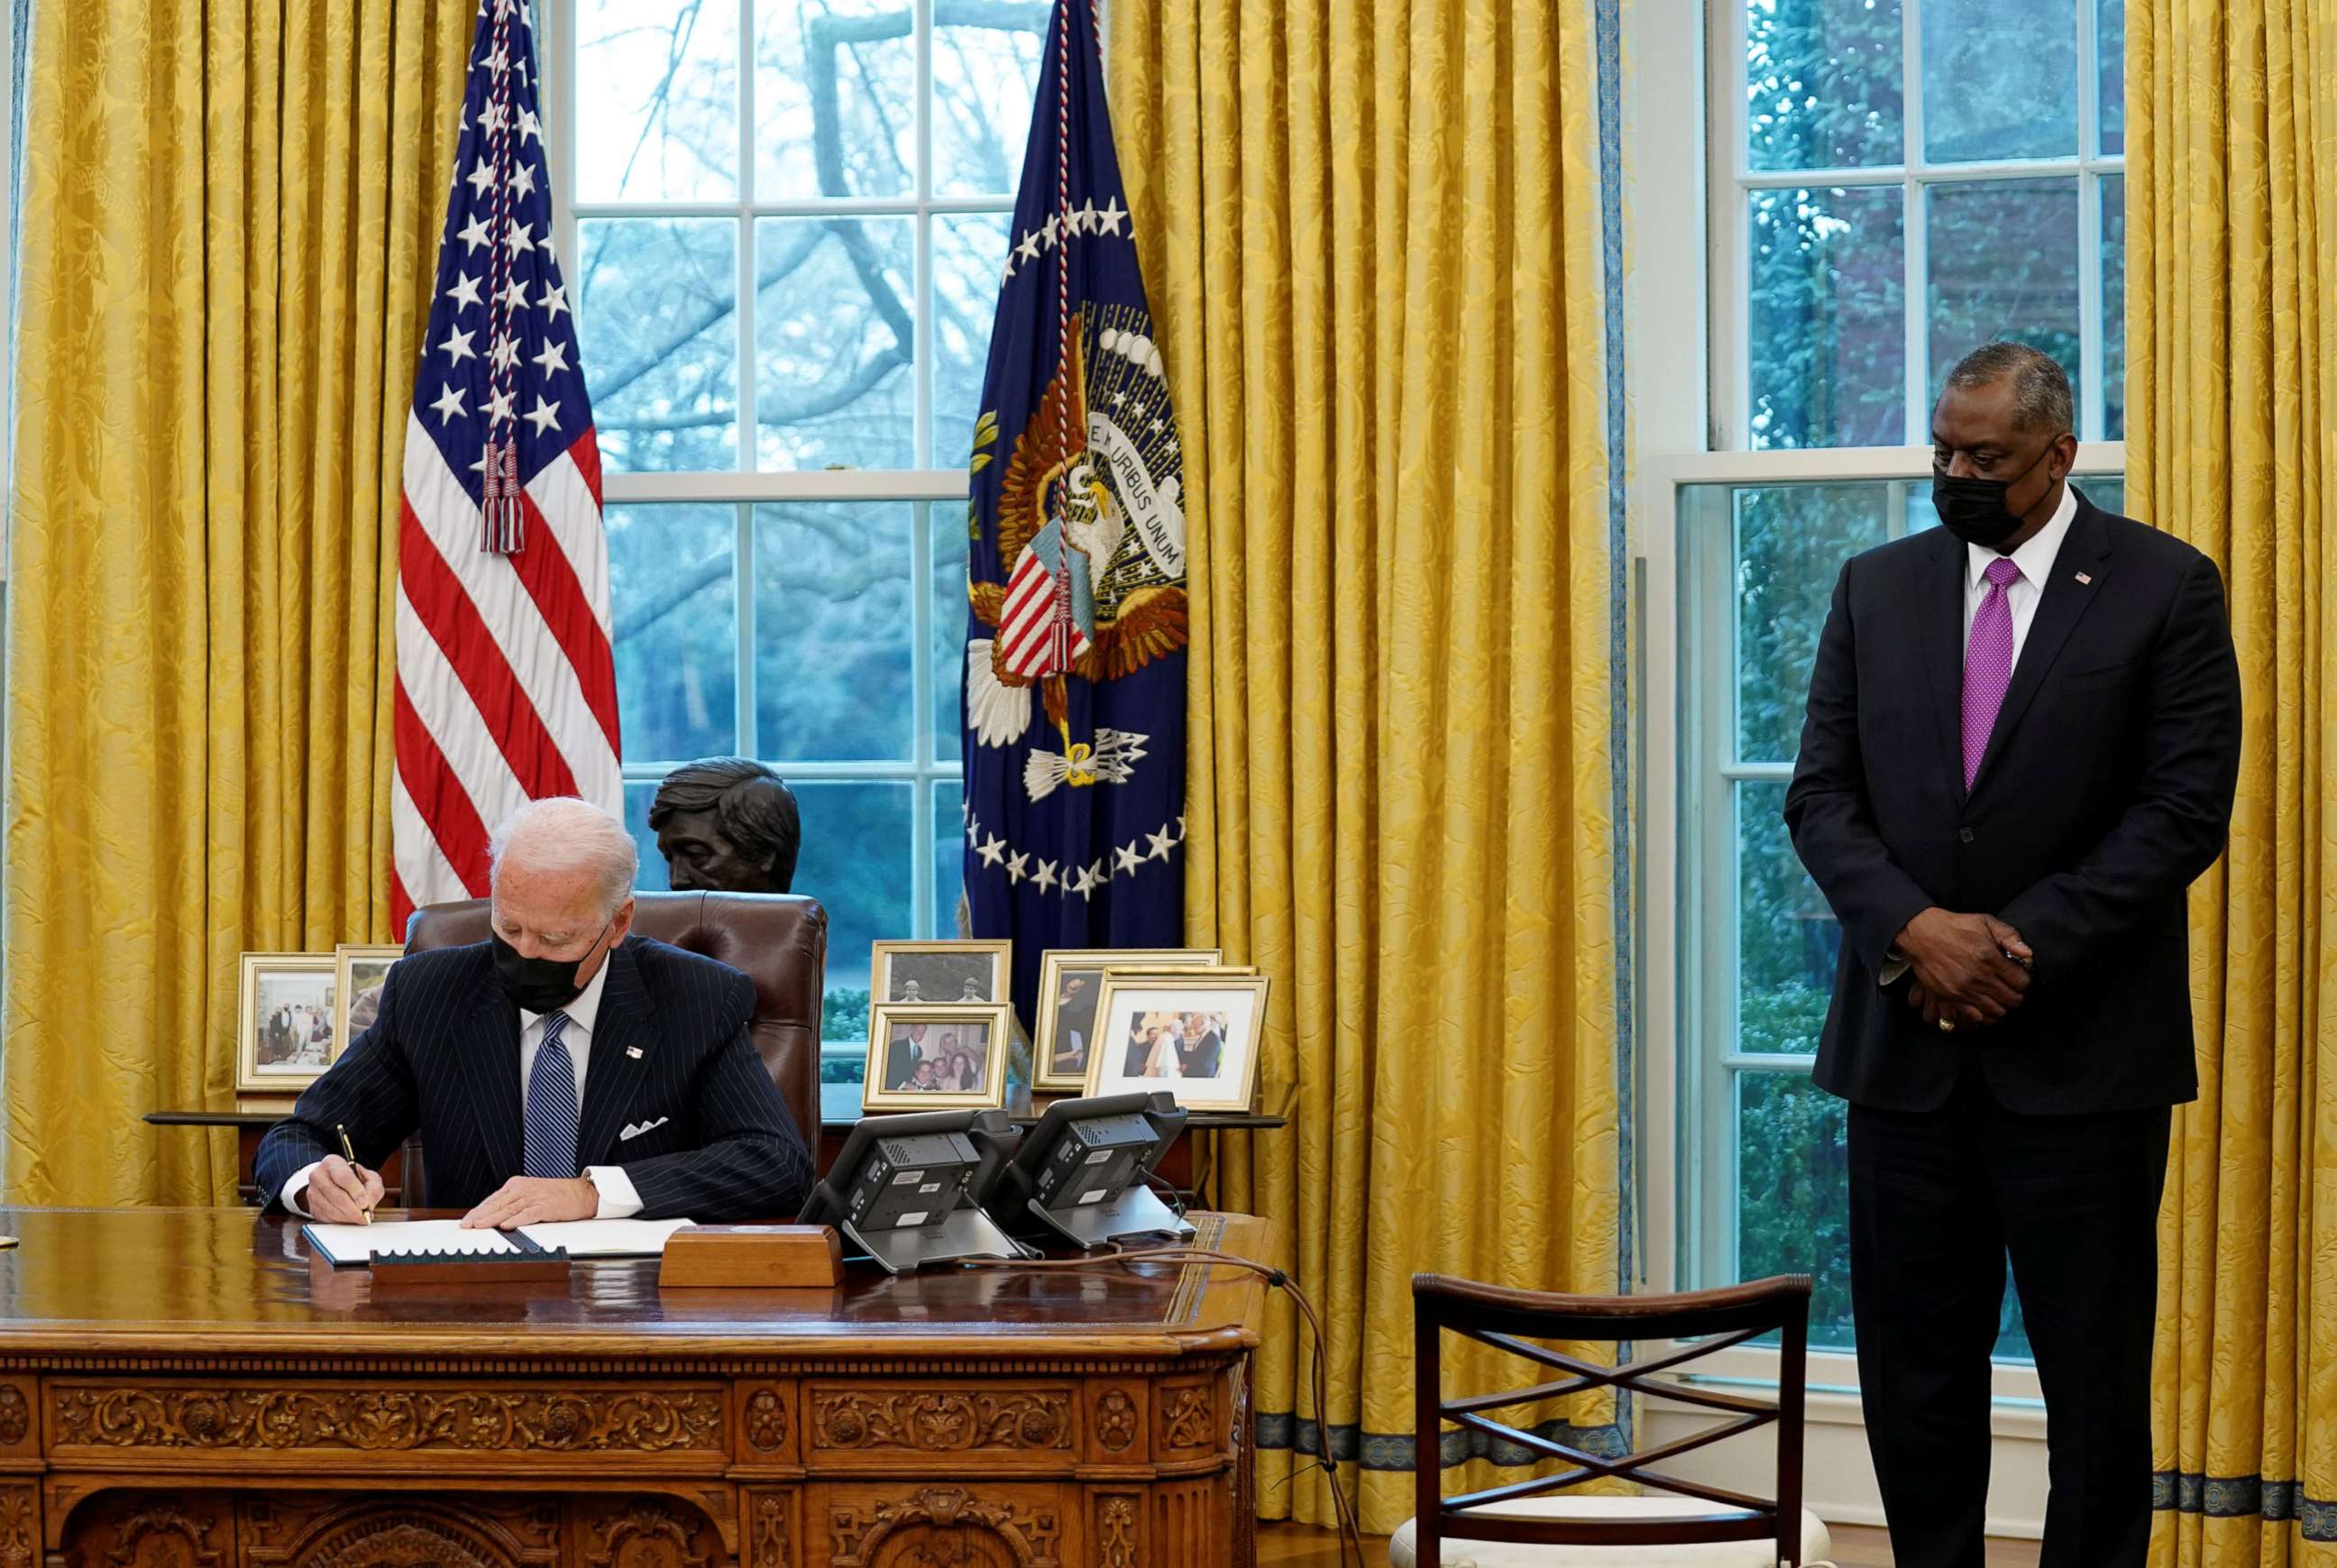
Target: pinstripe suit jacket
(443, 1056)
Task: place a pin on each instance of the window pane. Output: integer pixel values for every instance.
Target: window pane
(1793, 1206)
(948, 526)
(655, 302)
(2000, 79)
(835, 99)
(672, 592)
(832, 635)
(1786, 939)
(1828, 330)
(2003, 263)
(2114, 307)
(2107, 491)
(1821, 83)
(652, 877)
(949, 856)
(1791, 541)
(985, 69)
(2109, 45)
(662, 81)
(834, 333)
(855, 860)
(968, 254)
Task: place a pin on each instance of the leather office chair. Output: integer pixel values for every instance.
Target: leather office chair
(778, 940)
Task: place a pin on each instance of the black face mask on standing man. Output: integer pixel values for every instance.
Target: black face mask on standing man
(1973, 510)
(540, 985)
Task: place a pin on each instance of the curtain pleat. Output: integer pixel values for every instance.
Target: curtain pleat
(1369, 229)
(231, 215)
(2232, 239)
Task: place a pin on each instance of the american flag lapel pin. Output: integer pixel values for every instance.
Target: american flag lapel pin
(2087, 578)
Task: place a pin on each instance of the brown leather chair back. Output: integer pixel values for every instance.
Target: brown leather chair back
(778, 940)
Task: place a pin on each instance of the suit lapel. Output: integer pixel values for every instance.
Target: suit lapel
(613, 1079)
(2063, 603)
(486, 1052)
(1940, 613)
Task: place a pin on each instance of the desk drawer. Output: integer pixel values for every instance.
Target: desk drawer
(665, 1427)
(998, 1425)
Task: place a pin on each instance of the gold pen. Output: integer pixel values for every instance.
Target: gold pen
(350, 1155)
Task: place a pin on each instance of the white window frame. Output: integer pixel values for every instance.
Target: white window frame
(742, 487)
(1731, 220)
(1686, 230)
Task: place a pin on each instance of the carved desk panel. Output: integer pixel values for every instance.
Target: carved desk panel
(180, 1389)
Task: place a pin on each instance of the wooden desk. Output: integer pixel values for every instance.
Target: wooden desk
(180, 1389)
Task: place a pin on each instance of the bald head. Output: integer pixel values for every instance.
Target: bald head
(561, 878)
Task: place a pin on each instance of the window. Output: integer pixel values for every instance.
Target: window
(1891, 183)
(786, 219)
(1906, 181)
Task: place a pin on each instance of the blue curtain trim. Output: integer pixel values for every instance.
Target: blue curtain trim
(2244, 1497)
(1606, 21)
(1394, 1451)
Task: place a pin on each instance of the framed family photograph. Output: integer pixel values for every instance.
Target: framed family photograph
(1193, 1033)
(285, 1032)
(1069, 979)
(360, 970)
(937, 1056)
(938, 972)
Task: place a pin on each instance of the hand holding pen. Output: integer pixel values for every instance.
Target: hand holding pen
(343, 1191)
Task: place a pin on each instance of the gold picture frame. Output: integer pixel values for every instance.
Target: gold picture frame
(1146, 1038)
(951, 966)
(358, 970)
(893, 1080)
(282, 1002)
(1056, 1069)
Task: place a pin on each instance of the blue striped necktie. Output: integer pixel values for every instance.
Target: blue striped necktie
(551, 1105)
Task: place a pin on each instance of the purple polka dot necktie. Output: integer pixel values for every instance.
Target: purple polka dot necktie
(1988, 663)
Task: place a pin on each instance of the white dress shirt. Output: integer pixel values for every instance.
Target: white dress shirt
(2035, 560)
(619, 1199)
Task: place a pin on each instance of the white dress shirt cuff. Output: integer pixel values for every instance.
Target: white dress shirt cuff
(297, 1185)
(618, 1199)
(1894, 964)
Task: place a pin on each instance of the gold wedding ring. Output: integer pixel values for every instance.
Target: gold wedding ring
(1947, 1026)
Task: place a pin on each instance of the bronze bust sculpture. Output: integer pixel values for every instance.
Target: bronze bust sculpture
(726, 825)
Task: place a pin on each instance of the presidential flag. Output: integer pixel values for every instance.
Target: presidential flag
(1074, 706)
(506, 691)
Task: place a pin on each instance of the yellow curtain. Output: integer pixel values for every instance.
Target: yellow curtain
(231, 219)
(1370, 231)
(2231, 333)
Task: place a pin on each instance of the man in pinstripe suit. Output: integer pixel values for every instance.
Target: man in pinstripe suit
(556, 1071)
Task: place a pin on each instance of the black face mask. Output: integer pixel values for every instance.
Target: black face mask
(540, 985)
(1973, 510)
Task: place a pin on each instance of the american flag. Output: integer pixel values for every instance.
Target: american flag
(506, 691)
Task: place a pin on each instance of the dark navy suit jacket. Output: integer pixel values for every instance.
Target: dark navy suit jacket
(443, 1056)
(2104, 788)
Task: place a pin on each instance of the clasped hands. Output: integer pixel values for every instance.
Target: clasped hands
(1969, 970)
(340, 1193)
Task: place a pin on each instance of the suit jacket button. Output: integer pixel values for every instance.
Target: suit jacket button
(1965, 834)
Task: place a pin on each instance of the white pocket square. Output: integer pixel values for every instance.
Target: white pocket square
(638, 1129)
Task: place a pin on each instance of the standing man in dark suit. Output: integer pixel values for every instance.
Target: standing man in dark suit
(557, 1071)
(2022, 743)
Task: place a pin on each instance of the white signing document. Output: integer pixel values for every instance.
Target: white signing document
(605, 1238)
(344, 1245)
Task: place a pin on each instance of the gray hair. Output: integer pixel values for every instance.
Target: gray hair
(561, 833)
(2041, 387)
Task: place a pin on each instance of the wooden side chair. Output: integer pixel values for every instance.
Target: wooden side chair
(1696, 1525)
